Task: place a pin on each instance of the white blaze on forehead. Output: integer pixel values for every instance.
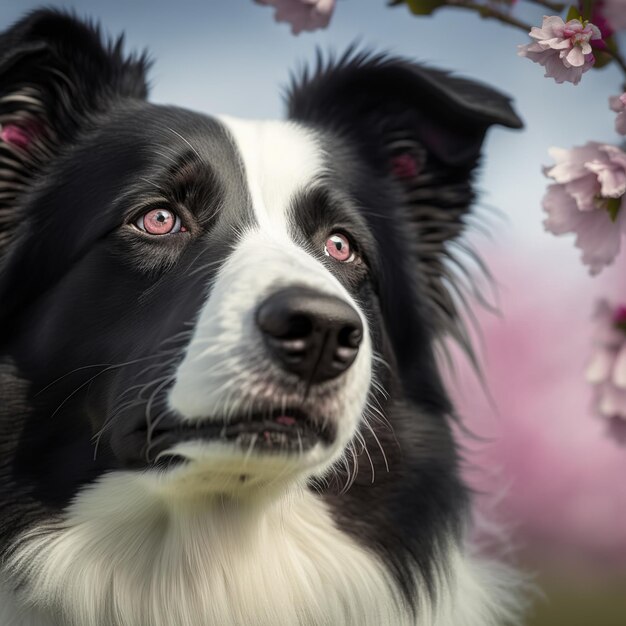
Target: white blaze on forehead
(280, 160)
(227, 370)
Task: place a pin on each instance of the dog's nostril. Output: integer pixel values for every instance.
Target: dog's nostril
(349, 337)
(299, 326)
(277, 320)
(311, 334)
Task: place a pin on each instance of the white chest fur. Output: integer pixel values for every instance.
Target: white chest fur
(148, 564)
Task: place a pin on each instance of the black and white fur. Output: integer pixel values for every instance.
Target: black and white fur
(108, 333)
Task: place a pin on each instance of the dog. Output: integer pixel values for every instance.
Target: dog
(220, 402)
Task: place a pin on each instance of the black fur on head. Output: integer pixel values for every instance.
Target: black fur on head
(56, 75)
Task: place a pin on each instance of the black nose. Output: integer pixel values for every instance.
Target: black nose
(311, 334)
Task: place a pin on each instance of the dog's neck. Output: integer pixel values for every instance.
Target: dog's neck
(224, 564)
(279, 564)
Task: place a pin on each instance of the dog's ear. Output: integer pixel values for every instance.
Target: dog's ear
(421, 130)
(56, 74)
(390, 100)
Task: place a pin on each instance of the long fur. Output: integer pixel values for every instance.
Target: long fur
(123, 559)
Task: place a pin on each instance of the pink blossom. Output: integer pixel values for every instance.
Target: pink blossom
(588, 199)
(615, 13)
(607, 367)
(302, 14)
(618, 104)
(564, 49)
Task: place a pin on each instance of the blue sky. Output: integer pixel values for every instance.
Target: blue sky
(229, 56)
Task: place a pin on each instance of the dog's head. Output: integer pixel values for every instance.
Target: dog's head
(231, 301)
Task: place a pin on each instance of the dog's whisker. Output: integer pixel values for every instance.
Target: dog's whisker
(77, 369)
(377, 414)
(380, 445)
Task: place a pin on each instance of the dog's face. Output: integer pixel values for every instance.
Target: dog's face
(195, 315)
(217, 304)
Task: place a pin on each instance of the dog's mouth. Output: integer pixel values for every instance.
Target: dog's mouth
(286, 431)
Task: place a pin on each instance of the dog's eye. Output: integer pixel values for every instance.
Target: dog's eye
(338, 247)
(160, 222)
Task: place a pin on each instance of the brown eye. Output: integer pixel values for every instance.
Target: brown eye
(160, 222)
(338, 247)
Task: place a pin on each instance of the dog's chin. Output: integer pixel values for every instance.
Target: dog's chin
(244, 460)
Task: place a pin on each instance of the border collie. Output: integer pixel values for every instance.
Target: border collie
(219, 398)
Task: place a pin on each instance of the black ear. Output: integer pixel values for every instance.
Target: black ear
(422, 130)
(389, 97)
(56, 74)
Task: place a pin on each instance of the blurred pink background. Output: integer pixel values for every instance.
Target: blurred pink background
(554, 474)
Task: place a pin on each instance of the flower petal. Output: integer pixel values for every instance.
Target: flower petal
(596, 33)
(563, 214)
(570, 164)
(616, 155)
(552, 26)
(575, 57)
(584, 191)
(557, 44)
(599, 238)
(612, 179)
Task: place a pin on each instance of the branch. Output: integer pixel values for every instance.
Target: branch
(617, 57)
(488, 12)
(555, 7)
(483, 10)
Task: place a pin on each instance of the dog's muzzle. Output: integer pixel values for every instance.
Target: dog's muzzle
(309, 335)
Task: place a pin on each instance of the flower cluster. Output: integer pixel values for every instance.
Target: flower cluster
(563, 48)
(606, 370)
(588, 193)
(588, 199)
